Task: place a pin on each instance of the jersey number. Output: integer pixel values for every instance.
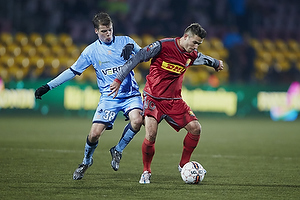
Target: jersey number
(109, 115)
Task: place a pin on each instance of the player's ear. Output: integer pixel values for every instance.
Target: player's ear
(96, 31)
(185, 36)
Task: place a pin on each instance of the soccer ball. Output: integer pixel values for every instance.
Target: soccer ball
(192, 172)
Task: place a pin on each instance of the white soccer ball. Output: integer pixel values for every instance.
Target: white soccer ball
(192, 172)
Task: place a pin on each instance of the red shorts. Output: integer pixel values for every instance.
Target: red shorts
(176, 112)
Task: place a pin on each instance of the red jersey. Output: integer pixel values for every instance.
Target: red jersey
(168, 65)
(166, 72)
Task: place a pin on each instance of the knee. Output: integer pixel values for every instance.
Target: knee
(136, 123)
(93, 137)
(196, 128)
(95, 132)
(150, 136)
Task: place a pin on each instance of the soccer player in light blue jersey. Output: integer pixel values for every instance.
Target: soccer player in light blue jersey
(107, 52)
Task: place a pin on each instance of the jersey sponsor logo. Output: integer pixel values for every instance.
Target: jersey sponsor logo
(100, 63)
(110, 71)
(178, 69)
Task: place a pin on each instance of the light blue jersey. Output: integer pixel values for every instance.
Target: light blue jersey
(106, 60)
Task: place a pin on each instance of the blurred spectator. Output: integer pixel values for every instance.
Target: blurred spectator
(232, 38)
(250, 55)
(236, 63)
(228, 20)
(261, 18)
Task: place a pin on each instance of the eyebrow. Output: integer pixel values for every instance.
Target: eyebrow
(195, 42)
(104, 31)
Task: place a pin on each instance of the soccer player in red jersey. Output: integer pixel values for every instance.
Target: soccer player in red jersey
(162, 93)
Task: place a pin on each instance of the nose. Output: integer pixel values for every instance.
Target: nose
(108, 33)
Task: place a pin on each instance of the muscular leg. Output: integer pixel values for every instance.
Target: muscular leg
(190, 141)
(92, 141)
(130, 129)
(148, 146)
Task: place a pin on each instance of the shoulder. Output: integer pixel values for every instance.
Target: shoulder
(167, 40)
(195, 53)
(122, 38)
(121, 41)
(155, 46)
(168, 43)
(92, 46)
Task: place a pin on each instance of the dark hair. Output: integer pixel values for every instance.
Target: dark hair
(195, 29)
(101, 18)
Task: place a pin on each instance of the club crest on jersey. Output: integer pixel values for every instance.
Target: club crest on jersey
(191, 113)
(188, 62)
(178, 69)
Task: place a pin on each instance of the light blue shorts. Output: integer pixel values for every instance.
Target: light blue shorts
(108, 109)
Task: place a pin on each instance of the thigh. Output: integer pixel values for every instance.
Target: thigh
(106, 112)
(152, 107)
(151, 128)
(180, 115)
(132, 104)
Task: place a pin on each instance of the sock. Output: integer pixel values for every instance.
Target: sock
(127, 136)
(148, 150)
(89, 151)
(189, 144)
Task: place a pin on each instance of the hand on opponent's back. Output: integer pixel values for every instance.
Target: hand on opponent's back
(114, 87)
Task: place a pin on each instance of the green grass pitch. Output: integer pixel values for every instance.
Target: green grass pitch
(245, 158)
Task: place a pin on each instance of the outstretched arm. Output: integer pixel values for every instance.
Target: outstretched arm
(63, 77)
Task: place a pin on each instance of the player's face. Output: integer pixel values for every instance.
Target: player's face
(105, 33)
(192, 42)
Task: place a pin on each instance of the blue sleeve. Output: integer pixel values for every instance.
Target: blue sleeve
(136, 47)
(83, 61)
(60, 79)
(77, 68)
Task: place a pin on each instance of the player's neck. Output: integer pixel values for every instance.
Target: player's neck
(179, 43)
